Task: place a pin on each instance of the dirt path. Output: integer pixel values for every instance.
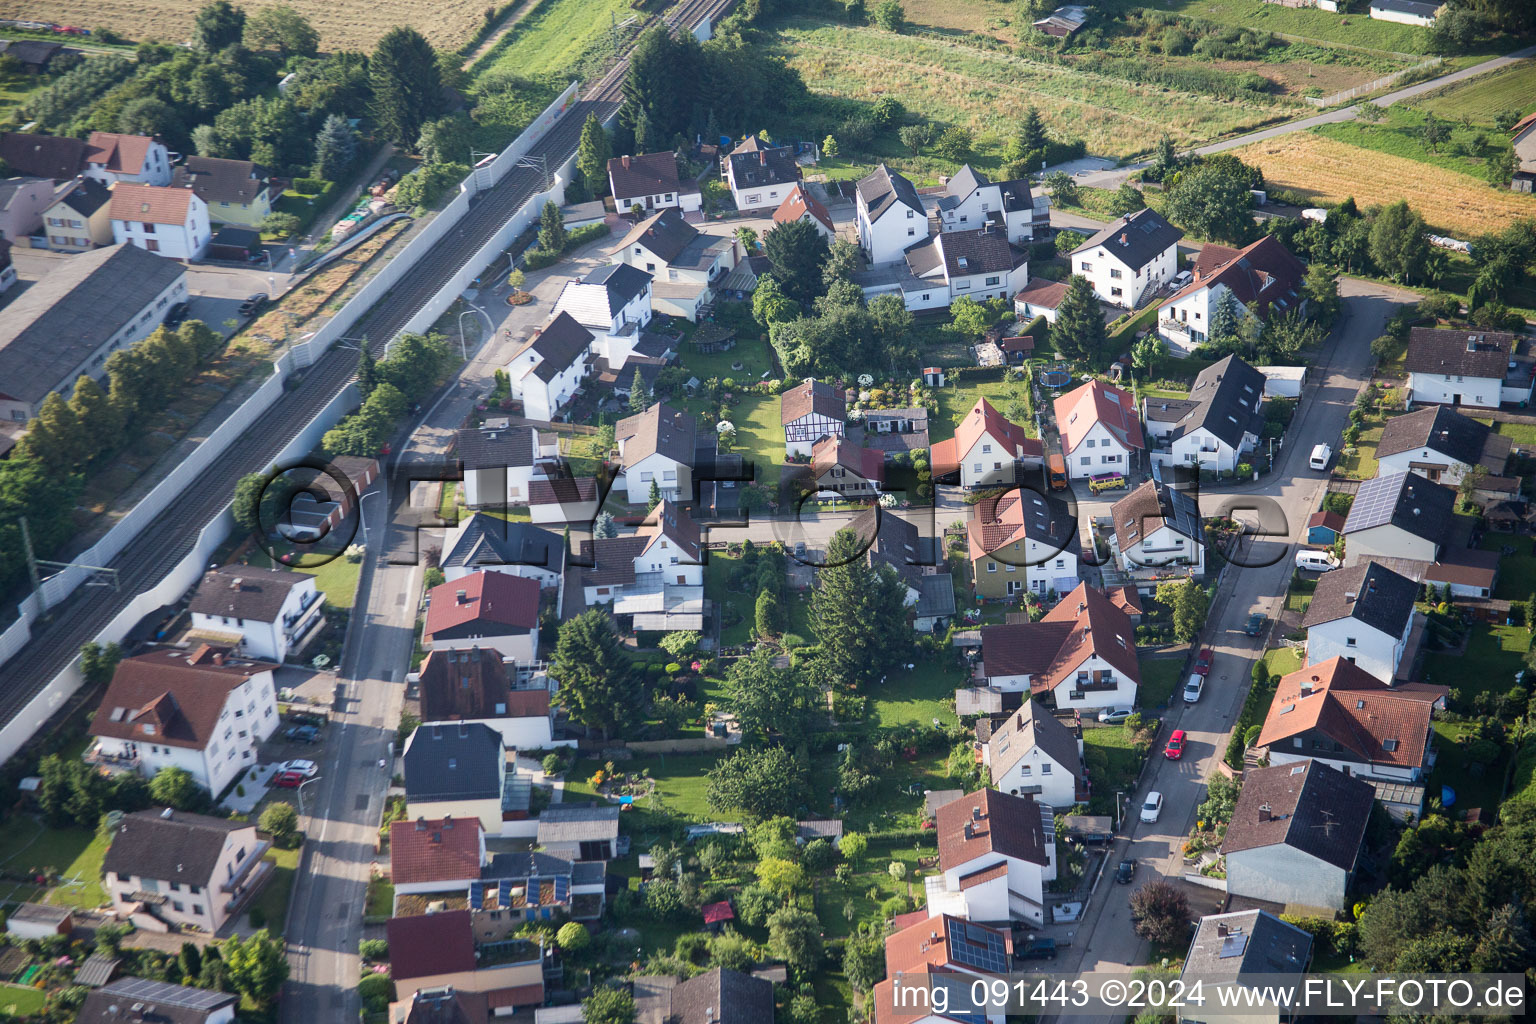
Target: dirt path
(508, 23)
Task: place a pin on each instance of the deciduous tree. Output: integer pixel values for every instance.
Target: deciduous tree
(1160, 913)
(608, 1006)
(1209, 201)
(770, 700)
(283, 29)
(1188, 602)
(1399, 243)
(217, 25)
(173, 787)
(758, 782)
(257, 966)
(794, 936)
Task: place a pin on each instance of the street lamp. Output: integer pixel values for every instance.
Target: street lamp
(1118, 815)
(489, 326)
(271, 281)
(361, 517)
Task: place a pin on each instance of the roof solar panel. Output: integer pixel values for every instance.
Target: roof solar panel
(1375, 502)
(978, 948)
(164, 993)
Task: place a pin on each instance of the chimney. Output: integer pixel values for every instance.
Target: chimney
(236, 583)
(447, 822)
(421, 824)
(625, 160)
(218, 657)
(762, 157)
(1221, 930)
(1264, 814)
(1124, 239)
(462, 596)
(1350, 595)
(976, 811)
(1308, 684)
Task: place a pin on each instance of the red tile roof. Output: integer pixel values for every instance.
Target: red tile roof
(1353, 708)
(990, 822)
(1098, 402)
(1040, 292)
(1084, 623)
(926, 944)
(434, 850)
(1322, 517)
(150, 204)
(433, 944)
(670, 521)
(812, 396)
(470, 683)
(887, 1012)
(489, 599)
(797, 204)
(1262, 274)
(161, 697)
(122, 154)
(714, 913)
(983, 419)
(564, 490)
(1017, 515)
(835, 452)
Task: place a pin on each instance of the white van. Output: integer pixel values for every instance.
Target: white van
(1320, 456)
(1312, 560)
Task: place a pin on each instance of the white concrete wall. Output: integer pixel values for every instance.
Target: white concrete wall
(1104, 452)
(886, 239)
(1446, 389)
(1372, 650)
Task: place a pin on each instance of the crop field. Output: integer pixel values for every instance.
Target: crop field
(552, 37)
(1481, 99)
(986, 89)
(342, 24)
(1307, 23)
(1330, 170)
(1401, 134)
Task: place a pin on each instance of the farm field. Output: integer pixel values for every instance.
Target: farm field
(1307, 23)
(1402, 134)
(1481, 99)
(552, 37)
(344, 25)
(1331, 171)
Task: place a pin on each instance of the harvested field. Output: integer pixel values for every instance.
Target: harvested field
(344, 25)
(1330, 171)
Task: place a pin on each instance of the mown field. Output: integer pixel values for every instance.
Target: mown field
(342, 24)
(552, 37)
(1307, 23)
(1401, 134)
(1481, 99)
(1330, 171)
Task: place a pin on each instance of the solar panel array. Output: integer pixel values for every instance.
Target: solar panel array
(477, 895)
(981, 949)
(1234, 945)
(163, 993)
(1375, 502)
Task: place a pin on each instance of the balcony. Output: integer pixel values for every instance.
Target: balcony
(111, 762)
(1171, 326)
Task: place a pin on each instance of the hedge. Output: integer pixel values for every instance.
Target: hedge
(538, 259)
(1128, 329)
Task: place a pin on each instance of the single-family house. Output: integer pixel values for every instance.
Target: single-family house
(181, 1004)
(659, 446)
(460, 769)
(434, 855)
(488, 543)
(1063, 21)
(1034, 753)
(22, 204)
(889, 216)
(80, 217)
(810, 411)
(1217, 425)
(170, 222)
(1020, 541)
(1262, 279)
(980, 263)
(82, 311)
(1441, 445)
(111, 157)
(842, 471)
(58, 157)
(1402, 515)
(201, 711)
(1227, 951)
(501, 461)
(894, 542)
(1364, 614)
(1156, 527)
(987, 450)
(686, 264)
(235, 191)
(492, 610)
(1040, 297)
(608, 297)
(1099, 429)
(945, 952)
(169, 870)
(564, 499)
(801, 205)
(446, 1005)
(761, 175)
(39, 921)
(1296, 835)
(718, 995)
(1406, 12)
(261, 613)
(1130, 258)
(547, 371)
(579, 833)
(432, 953)
(474, 684)
(1467, 367)
(971, 200)
(651, 182)
(655, 574)
(1080, 655)
(996, 854)
(1341, 715)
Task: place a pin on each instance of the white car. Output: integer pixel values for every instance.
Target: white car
(1320, 455)
(308, 769)
(1193, 688)
(1152, 808)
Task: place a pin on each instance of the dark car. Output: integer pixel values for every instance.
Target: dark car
(1035, 949)
(303, 718)
(252, 304)
(177, 314)
(259, 256)
(1125, 872)
(303, 734)
(1256, 623)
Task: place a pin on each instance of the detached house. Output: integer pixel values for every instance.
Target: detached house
(1262, 279)
(1130, 258)
(979, 263)
(946, 952)
(658, 446)
(1217, 425)
(686, 264)
(1022, 541)
(987, 450)
(1467, 367)
(501, 462)
(971, 200)
(1080, 655)
(810, 411)
(546, 373)
(80, 217)
(1364, 614)
(1032, 753)
(655, 574)
(261, 613)
(801, 205)
(889, 216)
(716, 996)
(1157, 527)
(840, 470)
(488, 543)
(58, 157)
(474, 684)
(179, 1003)
(1402, 516)
(1099, 429)
(433, 954)
(1441, 445)
(485, 609)
(894, 542)
(761, 175)
(1296, 835)
(171, 222)
(236, 191)
(133, 159)
(996, 853)
(460, 769)
(1229, 951)
(171, 870)
(608, 298)
(650, 181)
(23, 201)
(203, 712)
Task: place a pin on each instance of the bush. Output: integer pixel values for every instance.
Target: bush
(282, 225)
(309, 186)
(373, 949)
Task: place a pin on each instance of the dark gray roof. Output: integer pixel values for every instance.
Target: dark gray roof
(1135, 240)
(666, 234)
(1031, 727)
(1228, 396)
(965, 181)
(588, 872)
(245, 592)
(766, 167)
(722, 995)
(980, 251)
(936, 595)
(623, 282)
(1466, 353)
(180, 848)
(525, 864)
(453, 761)
(46, 156)
(565, 823)
(217, 180)
(85, 196)
(35, 52)
(497, 448)
(1415, 7)
(1370, 593)
(1439, 428)
(486, 540)
(1407, 501)
(39, 913)
(97, 970)
(883, 188)
(892, 541)
(1307, 806)
(174, 1004)
(56, 324)
(1016, 195)
(660, 429)
(1247, 942)
(560, 343)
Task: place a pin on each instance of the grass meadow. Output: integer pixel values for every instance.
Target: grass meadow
(552, 37)
(1481, 99)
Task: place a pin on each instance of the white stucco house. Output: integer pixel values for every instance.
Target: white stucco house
(1156, 526)
(1080, 655)
(477, 684)
(1100, 432)
(1262, 279)
(987, 450)
(1363, 614)
(501, 461)
(980, 263)
(169, 869)
(1441, 445)
(1472, 367)
(971, 200)
(170, 222)
(607, 298)
(655, 574)
(1033, 753)
(491, 544)
(996, 854)
(801, 205)
(685, 264)
(889, 216)
(1129, 258)
(650, 181)
(1234, 951)
(547, 371)
(493, 610)
(1216, 426)
(947, 952)
(111, 157)
(1398, 516)
(761, 175)
(262, 613)
(658, 446)
(1406, 12)
(460, 770)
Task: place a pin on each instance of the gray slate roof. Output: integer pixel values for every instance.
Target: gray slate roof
(1466, 353)
(453, 761)
(883, 188)
(525, 864)
(1027, 728)
(1370, 593)
(623, 282)
(560, 342)
(486, 540)
(181, 848)
(174, 1004)
(666, 234)
(980, 251)
(498, 448)
(245, 592)
(1247, 942)
(45, 156)
(1307, 806)
(562, 823)
(1228, 396)
(716, 995)
(1415, 7)
(57, 323)
(1135, 240)
(1407, 501)
(1438, 428)
(84, 195)
(216, 180)
(775, 166)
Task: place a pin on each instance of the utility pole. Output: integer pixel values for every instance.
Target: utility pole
(37, 582)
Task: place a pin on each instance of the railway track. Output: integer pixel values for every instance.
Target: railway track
(58, 636)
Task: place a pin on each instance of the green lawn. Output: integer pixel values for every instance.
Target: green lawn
(1402, 134)
(1519, 433)
(752, 353)
(273, 900)
(680, 783)
(1517, 572)
(304, 207)
(552, 38)
(1482, 98)
(1362, 464)
(27, 846)
(21, 1003)
(1493, 656)
(1305, 22)
(1008, 397)
(925, 693)
(1160, 677)
(1113, 765)
(337, 579)
(1282, 661)
(1475, 786)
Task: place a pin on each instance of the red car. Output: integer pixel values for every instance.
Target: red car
(1203, 661)
(1175, 748)
(288, 780)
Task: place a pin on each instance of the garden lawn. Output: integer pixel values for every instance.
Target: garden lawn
(1362, 464)
(1282, 661)
(21, 1003)
(738, 609)
(337, 579)
(753, 353)
(28, 846)
(1523, 434)
(1402, 134)
(1308, 23)
(1009, 398)
(922, 695)
(1493, 656)
(304, 207)
(1475, 785)
(680, 783)
(1517, 571)
(1113, 764)
(1160, 677)
(272, 901)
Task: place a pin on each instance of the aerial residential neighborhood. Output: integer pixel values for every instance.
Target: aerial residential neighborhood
(716, 512)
